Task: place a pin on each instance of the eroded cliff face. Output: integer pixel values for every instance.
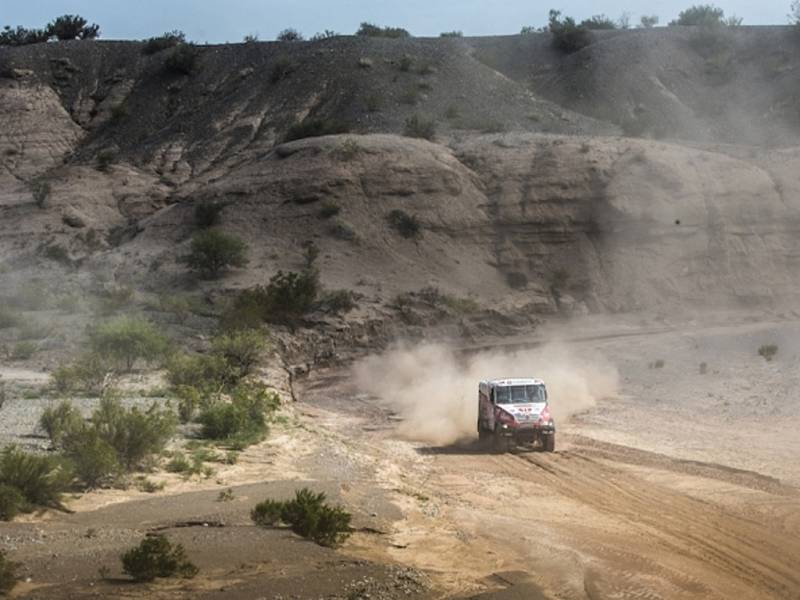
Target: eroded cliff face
(520, 221)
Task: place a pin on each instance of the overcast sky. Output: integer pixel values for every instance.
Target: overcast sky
(230, 20)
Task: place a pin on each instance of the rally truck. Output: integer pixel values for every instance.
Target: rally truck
(513, 412)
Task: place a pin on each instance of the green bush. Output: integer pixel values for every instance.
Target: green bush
(8, 574)
(182, 60)
(126, 340)
(704, 15)
(163, 42)
(768, 351)
(22, 350)
(268, 513)
(243, 418)
(420, 127)
(88, 374)
(232, 358)
(337, 301)
(205, 371)
(289, 296)
(93, 458)
(155, 557)
(308, 515)
(315, 127)
(207, 213)
(70, 27)
(213, 252)
(568, 37)
(370, 30)
(648, 21)
(12, 502)
(405, 224)
(240, 351)
(134, 434)
(58, 421)
(40, 479)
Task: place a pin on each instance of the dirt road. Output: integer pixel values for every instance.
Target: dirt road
(683, 485)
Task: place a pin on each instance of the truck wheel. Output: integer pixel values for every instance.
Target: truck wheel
(549, 442)
(483, 435)
(500, 443)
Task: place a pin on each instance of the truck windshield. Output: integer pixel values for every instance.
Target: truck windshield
(520, 394)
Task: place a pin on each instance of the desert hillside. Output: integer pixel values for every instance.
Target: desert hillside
(525, 181)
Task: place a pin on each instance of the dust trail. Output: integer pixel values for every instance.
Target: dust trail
(436, 391)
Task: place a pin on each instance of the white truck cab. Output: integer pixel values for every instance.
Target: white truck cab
(514, 412)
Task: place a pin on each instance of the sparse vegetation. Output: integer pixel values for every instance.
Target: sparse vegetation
(703, 368)
(452, 34)
(598, 22)
(328, 210)
(71, 27)
(166, 41)
(58, 421)
(8, 574)
(226, 496)
(20, 36)
(405, 224)
(22, 350)
(568, 37)
(105, 158)
(705, 15)
(282, 68)
(768, 352)
(207, 213)
(348, 150)
(156, 557)
(126, 340)
(657, 364)
(370, 30)
(308, 515)
(40, 479)
(12, 503)
(182, 60)
(243, 419)
(315, 127)
(212, 252)
(290, 35)
(648, 21)
(40, 191)
(420, 127)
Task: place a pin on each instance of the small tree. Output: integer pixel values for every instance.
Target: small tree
(648, 21)
(213, 251)
(207, 213)
(155, 557)
(290, 35)
(70, 27)
(182, 59)
(126, 340)
(94, 459)
(370, 30)
(568, 37)
(794, 14)
(598, 22)
(705, 15)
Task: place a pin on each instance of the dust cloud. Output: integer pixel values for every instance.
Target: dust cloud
(435, 390)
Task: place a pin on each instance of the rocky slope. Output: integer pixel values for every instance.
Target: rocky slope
(104, 154)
